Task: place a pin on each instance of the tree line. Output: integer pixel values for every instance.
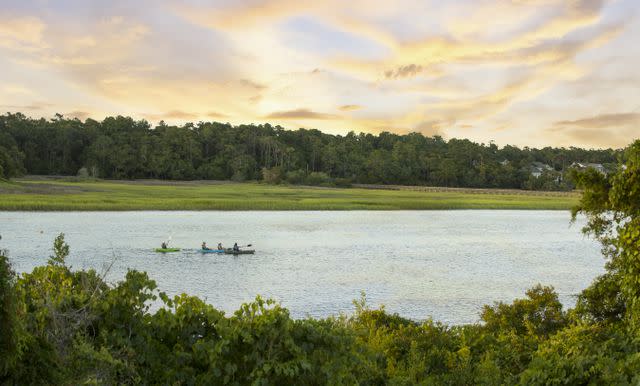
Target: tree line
(61, 326)
(124, 148)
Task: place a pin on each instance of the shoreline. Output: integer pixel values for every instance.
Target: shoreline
(38, 194)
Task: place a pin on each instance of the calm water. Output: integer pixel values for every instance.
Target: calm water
(439, 264)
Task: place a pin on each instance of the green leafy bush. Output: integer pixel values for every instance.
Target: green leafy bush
(296, 177)
(317, 178)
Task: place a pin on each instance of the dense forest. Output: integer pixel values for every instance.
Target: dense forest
(61, 326)
(123, 148)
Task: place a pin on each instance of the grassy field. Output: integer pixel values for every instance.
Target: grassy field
(67, 195)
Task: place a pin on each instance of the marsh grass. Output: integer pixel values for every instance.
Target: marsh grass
(61, 195)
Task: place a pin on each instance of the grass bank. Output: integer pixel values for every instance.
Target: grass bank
(66, 195)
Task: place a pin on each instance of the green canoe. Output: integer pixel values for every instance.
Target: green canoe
(165, 250)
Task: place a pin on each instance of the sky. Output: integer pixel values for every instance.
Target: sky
(524, 72)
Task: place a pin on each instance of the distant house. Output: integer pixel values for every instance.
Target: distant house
(584, 166)
(537, 168)
(505, 162)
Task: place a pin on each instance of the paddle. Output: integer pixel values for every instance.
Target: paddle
(242, 246)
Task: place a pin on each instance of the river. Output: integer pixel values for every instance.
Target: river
(421, 264)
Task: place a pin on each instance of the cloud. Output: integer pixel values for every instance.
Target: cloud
(612, 129)
(603, 120)
(408, 70)
(213, 114)
(255, 99)
(30, 107)
(483, 106)
(251, 87)
(301, 114)
(22, 33)
(600, 138)
(242, 14)
(551, 31)
(251, 84)
(17, 89)
(172, 115)
(350, 107)
(179, 115)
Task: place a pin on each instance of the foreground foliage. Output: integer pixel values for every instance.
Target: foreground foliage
(70, 327)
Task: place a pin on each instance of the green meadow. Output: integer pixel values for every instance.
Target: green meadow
(62, 195)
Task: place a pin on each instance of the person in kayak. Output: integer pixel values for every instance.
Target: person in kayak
(220, 246)
(204, 246)
(236, 248)
(164, 245)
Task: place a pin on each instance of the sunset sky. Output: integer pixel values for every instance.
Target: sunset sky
(524, 72)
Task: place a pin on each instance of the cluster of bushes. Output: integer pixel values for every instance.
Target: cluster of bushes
(276, 175)
(61, 326)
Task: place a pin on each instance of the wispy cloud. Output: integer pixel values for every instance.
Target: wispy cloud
(603, 121)
(611, 129)
(300, 114)
(13, 89)
(252, 84)
(180, 115)
(174, 114)
(408, 70)
(36, 106)
(350, 107)
(213, 114)
(22, 33)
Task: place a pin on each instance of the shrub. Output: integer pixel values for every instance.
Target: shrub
(342, 182)
(317, 178)
(296, 177)
(272, 175)
(83, 172)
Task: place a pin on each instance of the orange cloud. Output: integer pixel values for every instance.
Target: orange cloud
(252, 84)
(349, 107)
(179, 115)
(213, 114)
(30, 107)
(603, 120)
(300, 114)
(242, 14)
(611, 130)
(408, 70)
